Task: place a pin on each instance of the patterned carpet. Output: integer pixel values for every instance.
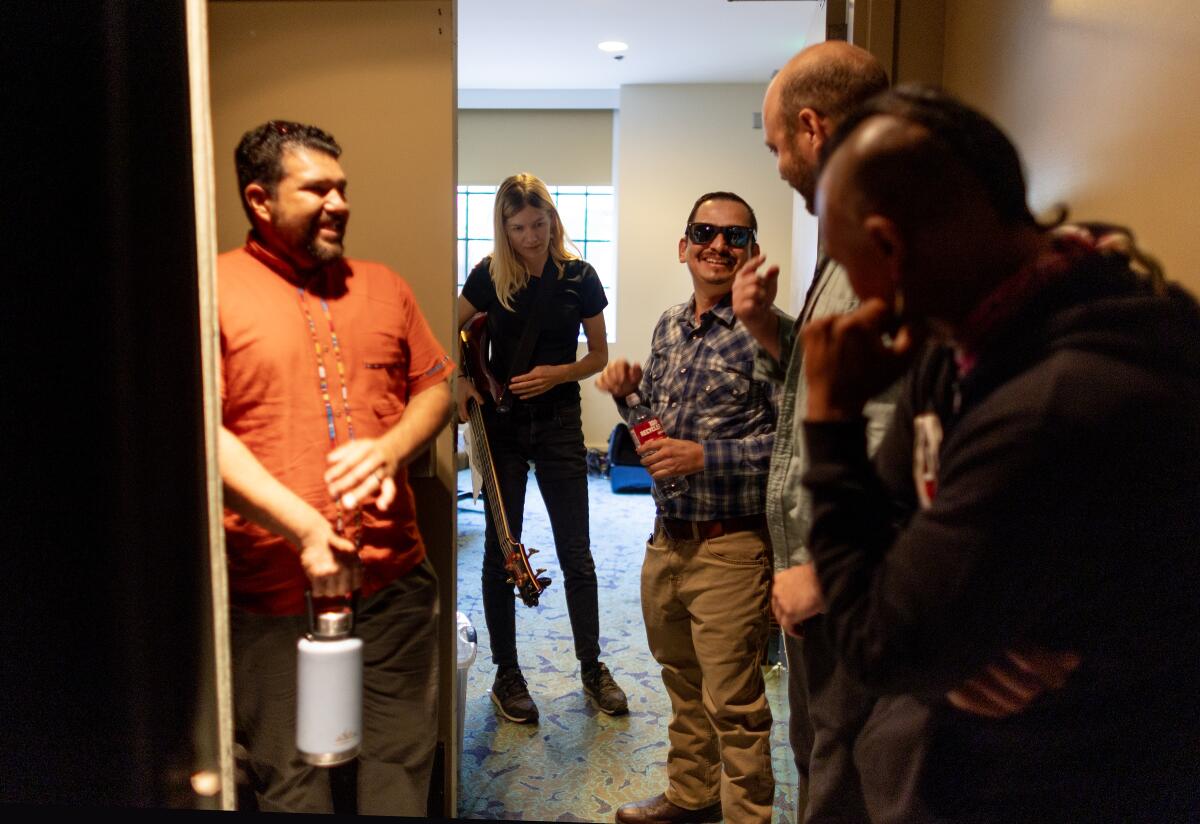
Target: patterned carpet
(578, 764)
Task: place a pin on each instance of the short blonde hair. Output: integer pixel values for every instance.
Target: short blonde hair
(508, 271)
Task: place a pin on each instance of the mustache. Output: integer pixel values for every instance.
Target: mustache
(325, 221)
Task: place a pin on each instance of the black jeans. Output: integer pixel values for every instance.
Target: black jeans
(827, 711)
(550, 435)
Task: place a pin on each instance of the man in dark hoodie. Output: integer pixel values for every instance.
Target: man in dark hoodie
(1039, 486)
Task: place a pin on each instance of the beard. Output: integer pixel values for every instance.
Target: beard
(323, 250)
(804, 180)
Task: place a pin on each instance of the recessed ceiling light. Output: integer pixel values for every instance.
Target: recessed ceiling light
(612, 46)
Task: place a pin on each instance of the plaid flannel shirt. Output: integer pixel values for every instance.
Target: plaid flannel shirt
(699, 381)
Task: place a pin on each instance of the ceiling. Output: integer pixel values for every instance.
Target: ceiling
(551, 44)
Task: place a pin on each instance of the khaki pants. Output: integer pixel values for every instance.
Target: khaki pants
(706, 606)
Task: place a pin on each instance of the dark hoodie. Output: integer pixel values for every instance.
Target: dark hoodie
(1066, 516)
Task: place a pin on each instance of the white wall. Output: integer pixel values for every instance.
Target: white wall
(674, 143)
(804, 225)
(804, 256)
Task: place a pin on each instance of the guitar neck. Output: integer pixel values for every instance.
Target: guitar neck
(491, 482)
(516, 559)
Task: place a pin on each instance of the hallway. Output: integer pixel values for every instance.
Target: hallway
(578, 764)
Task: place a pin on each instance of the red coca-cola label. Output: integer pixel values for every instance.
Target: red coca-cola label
(648, 430)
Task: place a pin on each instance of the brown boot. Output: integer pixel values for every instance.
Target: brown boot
(659, 810)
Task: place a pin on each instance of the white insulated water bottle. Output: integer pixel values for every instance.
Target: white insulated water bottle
(329, 689)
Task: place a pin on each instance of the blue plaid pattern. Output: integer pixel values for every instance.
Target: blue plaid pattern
(699, 380)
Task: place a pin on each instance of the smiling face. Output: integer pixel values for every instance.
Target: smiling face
(713, 264)
(528, 232)
(305, 217)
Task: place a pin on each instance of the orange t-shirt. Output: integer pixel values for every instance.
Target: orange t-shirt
(271, 400)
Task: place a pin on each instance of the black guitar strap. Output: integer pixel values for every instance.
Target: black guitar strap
(547, 283)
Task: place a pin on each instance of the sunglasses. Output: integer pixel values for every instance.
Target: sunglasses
(739, 237)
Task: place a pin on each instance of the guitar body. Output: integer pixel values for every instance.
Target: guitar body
(473, 340)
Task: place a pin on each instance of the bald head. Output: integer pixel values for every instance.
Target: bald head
(832, 78)
(890, 166)
(807, 100)
(924, 196)
(915, 153)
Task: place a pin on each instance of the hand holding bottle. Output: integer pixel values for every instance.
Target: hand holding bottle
(647, 429)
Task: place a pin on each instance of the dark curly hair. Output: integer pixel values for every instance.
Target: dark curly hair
(259, 154)
(923, 177)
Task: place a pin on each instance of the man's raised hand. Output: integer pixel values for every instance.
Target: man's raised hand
(753, 296)
(620, 378)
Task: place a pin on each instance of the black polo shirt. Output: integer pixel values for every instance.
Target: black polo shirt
(577, 295)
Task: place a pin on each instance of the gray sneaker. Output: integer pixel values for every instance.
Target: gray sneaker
(512, 698)
(599, 685)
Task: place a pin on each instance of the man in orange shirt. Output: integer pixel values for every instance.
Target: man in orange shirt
(331, 383)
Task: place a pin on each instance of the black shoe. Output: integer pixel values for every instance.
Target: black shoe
(598, 683)
(511, 698)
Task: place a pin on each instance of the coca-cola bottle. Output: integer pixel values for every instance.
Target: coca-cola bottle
(645, 427)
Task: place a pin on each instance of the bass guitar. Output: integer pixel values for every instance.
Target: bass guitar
(473, 339)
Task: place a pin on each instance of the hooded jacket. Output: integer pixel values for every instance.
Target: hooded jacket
(1062, 510)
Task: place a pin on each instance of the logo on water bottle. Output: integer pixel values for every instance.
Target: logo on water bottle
(648, 431)
(346, 737)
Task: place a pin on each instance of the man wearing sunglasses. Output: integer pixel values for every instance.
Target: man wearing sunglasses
(707, 571)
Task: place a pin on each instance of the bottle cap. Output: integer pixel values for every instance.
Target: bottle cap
(333, 624)
(632, 399)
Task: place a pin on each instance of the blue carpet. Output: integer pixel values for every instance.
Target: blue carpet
(578, 764)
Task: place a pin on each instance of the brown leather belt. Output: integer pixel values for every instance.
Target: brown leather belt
(680, 530)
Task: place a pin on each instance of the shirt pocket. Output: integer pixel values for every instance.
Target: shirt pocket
(385, 366)
(724, 396)
(726, 388)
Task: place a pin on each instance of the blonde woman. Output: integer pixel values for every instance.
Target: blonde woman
(542, 426)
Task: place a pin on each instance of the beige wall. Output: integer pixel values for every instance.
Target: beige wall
(565, 148)
(380, 77)
(673, 144)
(1100, 97)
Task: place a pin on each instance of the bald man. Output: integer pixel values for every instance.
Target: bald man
(803, 106)
(1039, 487)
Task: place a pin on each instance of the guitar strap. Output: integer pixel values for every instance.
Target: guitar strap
(547, 284)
